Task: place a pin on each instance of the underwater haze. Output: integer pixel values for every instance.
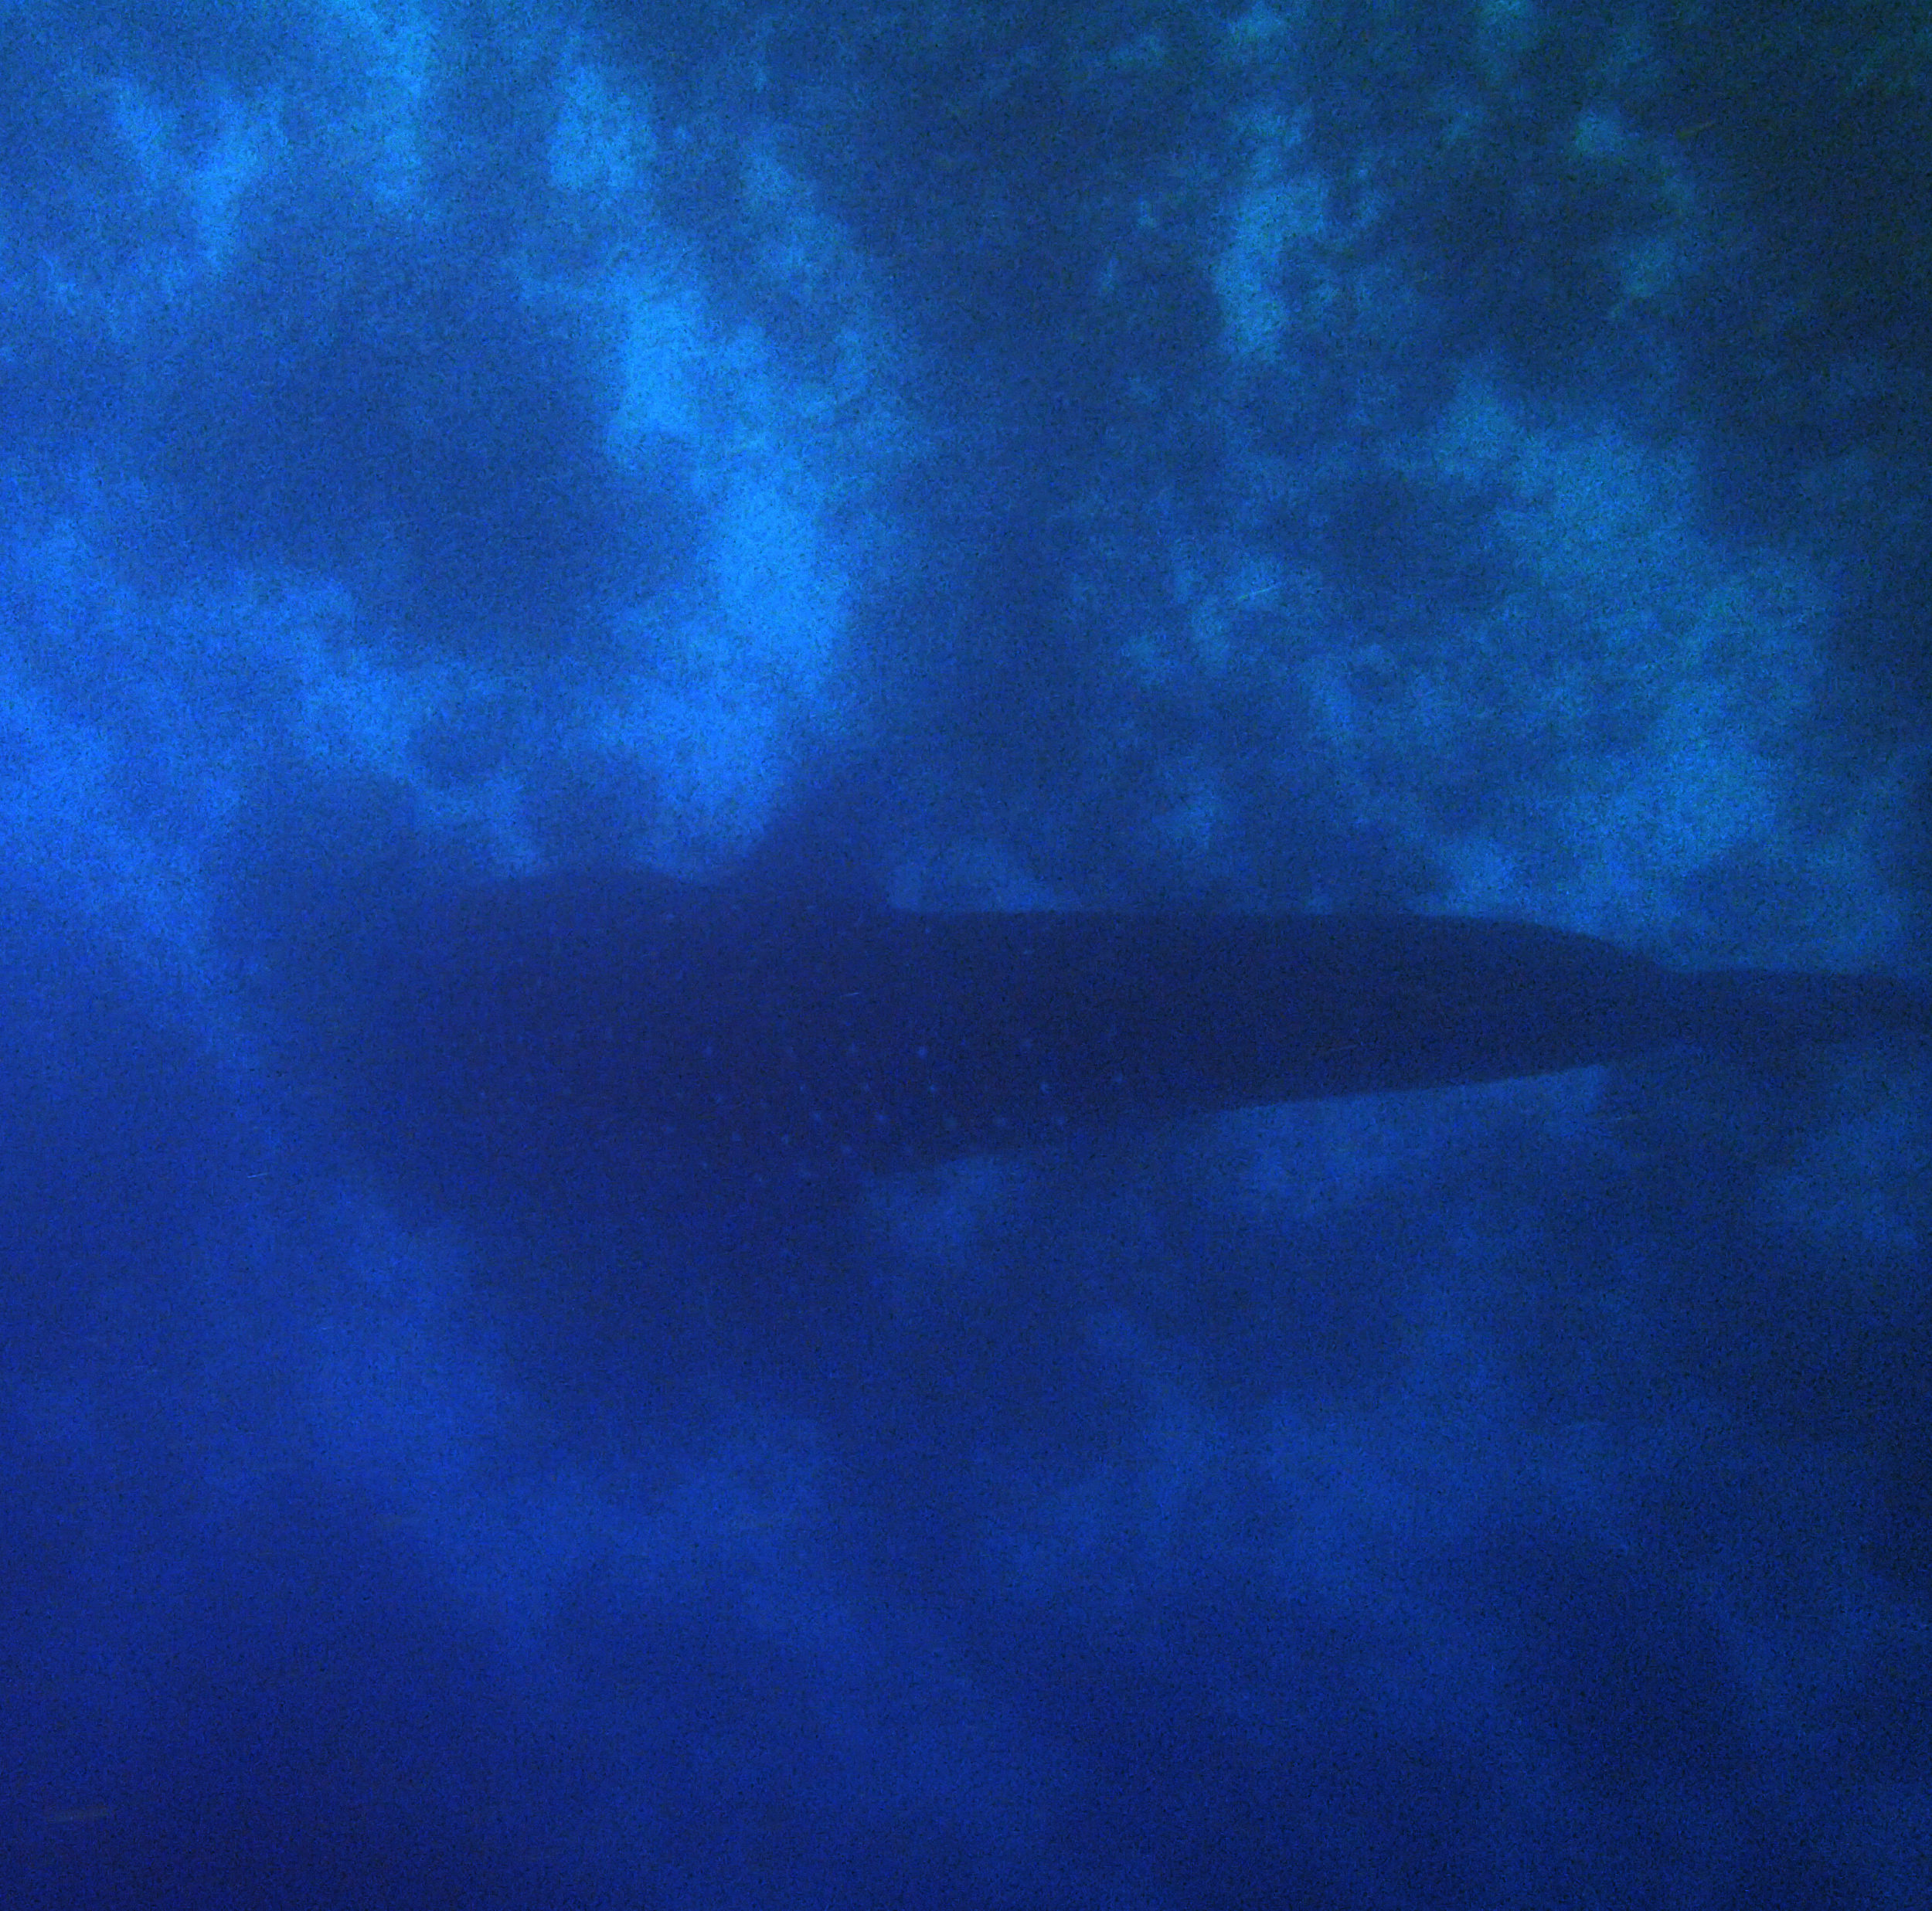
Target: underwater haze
(1282, 455)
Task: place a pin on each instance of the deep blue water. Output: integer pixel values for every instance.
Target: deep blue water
(1250, 456)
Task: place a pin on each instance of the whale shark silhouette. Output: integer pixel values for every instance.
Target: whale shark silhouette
(617, 1022)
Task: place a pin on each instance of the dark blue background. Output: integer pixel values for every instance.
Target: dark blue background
(1462, 458)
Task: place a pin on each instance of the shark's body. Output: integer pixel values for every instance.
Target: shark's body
(620, 1024)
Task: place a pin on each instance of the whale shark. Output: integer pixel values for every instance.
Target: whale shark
(619, 1023)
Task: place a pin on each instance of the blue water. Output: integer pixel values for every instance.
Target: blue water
(1253, 456)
